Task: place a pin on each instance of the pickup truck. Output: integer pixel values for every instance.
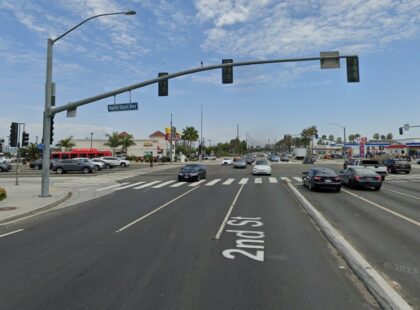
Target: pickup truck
(373, 164)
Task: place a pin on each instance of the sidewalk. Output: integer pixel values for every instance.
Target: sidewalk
(23, 199)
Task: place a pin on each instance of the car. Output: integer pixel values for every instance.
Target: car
(261, 167)
(274, 158)
(5, 167)
(373, 164)
(107, 165)
(209, 157)
(192, 172)
(321, 177)
(240, 163)
(284, 158)
(5, 160)
(37, 164)
(227, 161)
(395, 165)
(97, 165)
(115, 162)
(308, 160)
(349, 162)
(249, 159)
(68, 165)
(361, 177)
(123, 157)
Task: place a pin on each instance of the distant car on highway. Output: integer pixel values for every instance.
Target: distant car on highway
(227, 161)
(395, 165)
(115, 162)
(97, 165)
(284, 158)
(37, 164)
(372, 164)
(71, 165)
(209, 157)
(192, 172)
(274, 158)
(5, 167)
(261, 167)
(240, 163)
(308, 160)
(321, 177)
(361, 177)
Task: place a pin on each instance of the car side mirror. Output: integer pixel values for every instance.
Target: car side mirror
(305, 172)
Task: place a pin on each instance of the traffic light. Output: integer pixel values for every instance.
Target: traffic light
(353, 69)
(1, 145)
(173, 133)
(52, 130)
(13, 137)
(227, 72)
(25, 138)
(163, 85)
(401, 130)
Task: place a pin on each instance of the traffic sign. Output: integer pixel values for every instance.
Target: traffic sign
(40, 146)
(330, 63)
(117, 107)
(406, 127)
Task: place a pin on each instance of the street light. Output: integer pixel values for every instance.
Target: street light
(91, 135)
(47, 110)
(344, 129)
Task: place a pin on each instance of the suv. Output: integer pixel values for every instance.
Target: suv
(97, 165)
(66, 165)
(396, 165)
(115, 161)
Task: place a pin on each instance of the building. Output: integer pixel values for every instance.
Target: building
(155, 145)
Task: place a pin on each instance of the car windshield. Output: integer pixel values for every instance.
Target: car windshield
(365, 172)
(261, 162)
(325, 172)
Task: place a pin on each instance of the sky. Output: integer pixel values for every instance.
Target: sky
(266, 101)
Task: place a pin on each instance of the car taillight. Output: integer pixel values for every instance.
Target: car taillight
(337, 179)
(317, 178)
(378, 178)
(357, 178)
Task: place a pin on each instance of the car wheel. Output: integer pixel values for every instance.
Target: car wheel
(376, 188)
(86, 170)
(59, 170)
(123, 165)
(198, 178)
(389, 170)
(96, 168)
(107, 166)
(407, 172)
(337, 189)
(37, 167)
(383, 178)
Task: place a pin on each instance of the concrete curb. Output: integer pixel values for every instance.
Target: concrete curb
(387, 297)
(38, 210)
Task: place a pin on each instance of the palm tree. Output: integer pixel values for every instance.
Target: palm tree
(114, 141)
(383, 137)
(66, 143)
(331, 138)
(32, 151)
(376, 136)
(126, 142)
(339, 140)
(189, 134)
(352, 138)
(389, 136)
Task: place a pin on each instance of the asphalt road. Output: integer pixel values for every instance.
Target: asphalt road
(233, 241)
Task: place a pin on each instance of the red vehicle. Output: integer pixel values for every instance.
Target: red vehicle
(79, 153)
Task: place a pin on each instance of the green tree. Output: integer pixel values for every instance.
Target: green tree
(389, 136)
(324, 137)
(383, 137)
(114, 141)
(66, 143)
(376, 136)
(357, 136)
(126, 142)
(339, 140)
(352, 138)
(331, 138)
(189, 134)
(307, 135)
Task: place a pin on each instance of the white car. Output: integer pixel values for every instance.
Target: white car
(4, 160)
(115, 162)
(261, 167)
(97, 165)
(227, 161)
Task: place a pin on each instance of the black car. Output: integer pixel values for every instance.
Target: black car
(308, 160)
(397, 165)
(321, 177)
(192, 172)
(5, 167)
(71, 165)
(361, 177)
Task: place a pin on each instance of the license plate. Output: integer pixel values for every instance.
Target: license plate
(327, 181)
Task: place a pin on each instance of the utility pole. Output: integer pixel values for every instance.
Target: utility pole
(91, 135)
(201, 135)
(170, 142)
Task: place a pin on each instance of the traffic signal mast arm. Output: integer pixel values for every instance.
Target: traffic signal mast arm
(74, 105)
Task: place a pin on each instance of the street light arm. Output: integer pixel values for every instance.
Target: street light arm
(337, 125)
(88, 19)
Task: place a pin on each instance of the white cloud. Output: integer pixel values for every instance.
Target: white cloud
(300, 27)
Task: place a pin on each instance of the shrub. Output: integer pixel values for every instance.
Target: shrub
(3, 193)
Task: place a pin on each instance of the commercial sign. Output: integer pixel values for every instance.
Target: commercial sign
(363, 140)
(118, 107)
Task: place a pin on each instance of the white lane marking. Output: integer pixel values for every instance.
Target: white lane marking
(272, 180)
(155, 210)
(147, 185)
(258, 181)
(196, 183)
(402, 193)
(222, 227)
(163, 184)
(128, 186)
(297, 179)
(211, 183)
(178, 184)
(112, 186)
(383, 208)
(243, 181)
(285, 179)
(228, 182)
(11, 233)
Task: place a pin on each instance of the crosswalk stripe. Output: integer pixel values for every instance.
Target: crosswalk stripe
(211, 183)
(258, 181)
(297, 179)
(178, 184)
(273, 180)
(228, 181)
(128, 186)
(112, 186)
(147, 185)
(163, 184)
(243, 181)
(196, 183)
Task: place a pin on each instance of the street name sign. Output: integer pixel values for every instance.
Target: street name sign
(118, 107)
